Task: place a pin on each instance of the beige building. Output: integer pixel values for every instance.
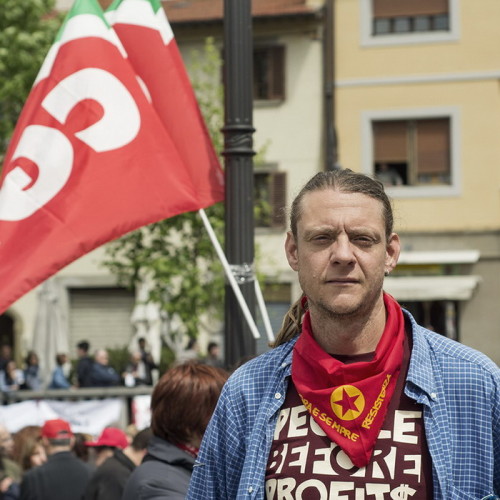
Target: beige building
(415, 102)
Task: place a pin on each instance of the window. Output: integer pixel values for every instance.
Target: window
(398, 22)
(395, 16)
(269, 72)
(412, 152)
(270, 198)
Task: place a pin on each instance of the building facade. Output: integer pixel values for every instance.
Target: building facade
(417, 104)
(411, 91)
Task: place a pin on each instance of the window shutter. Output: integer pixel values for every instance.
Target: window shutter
(433, 146)
(410, 8)
(277, 73)
(390, 140)
(101, 316)
(269, 72)
(278, 199)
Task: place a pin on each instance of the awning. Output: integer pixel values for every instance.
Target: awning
(424, 288)
(439, 257)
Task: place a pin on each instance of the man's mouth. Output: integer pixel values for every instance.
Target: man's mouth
(342, 281)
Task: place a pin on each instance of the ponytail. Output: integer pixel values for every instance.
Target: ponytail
(292, 323)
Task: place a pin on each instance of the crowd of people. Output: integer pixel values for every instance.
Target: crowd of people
(51, 461)
(91, 370)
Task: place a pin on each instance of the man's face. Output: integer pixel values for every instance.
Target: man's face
(102, 357)
(341, 252)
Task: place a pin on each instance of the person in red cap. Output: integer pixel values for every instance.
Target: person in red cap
(63, 476)
(108, 481)
(110, 439)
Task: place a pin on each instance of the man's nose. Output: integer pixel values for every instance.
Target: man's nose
(342, 251)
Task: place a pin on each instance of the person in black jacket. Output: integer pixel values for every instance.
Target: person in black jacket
(181, 406)
(101, 374)
(63, 476)
(84, 363)
(108, 480)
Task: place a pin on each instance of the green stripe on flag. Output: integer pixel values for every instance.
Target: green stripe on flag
(80, 7)
(146, 13)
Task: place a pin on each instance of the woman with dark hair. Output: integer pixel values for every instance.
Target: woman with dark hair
(59, 379)
(28, 451)
(181, 406)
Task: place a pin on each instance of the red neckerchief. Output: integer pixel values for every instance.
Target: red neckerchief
(190, 450)
(349, 401)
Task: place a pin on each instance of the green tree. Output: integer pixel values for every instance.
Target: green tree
(175, 256)
(27, 30)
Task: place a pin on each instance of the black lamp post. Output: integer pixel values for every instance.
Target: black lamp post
(238, 153)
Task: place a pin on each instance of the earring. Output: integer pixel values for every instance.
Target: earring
(386, 273)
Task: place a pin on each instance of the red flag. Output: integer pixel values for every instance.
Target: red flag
(89, 160)
(143, 28)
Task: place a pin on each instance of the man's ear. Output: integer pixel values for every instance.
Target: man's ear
(291, 251)
(392, 252)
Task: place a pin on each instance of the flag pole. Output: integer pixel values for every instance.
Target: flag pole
(263, 311)
(238, 153)
(229, 274)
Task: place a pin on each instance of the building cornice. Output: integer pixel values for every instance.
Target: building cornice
(418, 79)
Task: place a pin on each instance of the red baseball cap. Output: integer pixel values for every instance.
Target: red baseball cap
(56, 429)
(110, 436)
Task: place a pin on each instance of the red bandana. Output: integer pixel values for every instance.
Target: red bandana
(349, 401)
(189, 449)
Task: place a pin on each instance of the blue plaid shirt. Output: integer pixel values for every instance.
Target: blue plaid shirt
(457, 386)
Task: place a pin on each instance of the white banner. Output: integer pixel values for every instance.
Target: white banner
(141, 411)
(89, 417)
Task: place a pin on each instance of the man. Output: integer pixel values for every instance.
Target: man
(109, 479)
(111, 439)
(356, 401)
(136, 372)
(147, 359)
(84, 363)
(63, 476)
(101, 374)
(213, 355)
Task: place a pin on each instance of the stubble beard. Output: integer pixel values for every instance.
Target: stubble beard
(359, 309)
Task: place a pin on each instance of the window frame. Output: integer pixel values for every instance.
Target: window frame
(422, 191)
(278, 51)
(277, 215)
(414, 37)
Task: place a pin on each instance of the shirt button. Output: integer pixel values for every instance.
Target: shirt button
(283, 365)
(277, 395)
(433, 395)
(250, 489)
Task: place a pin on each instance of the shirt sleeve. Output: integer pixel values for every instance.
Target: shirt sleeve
(217, 470)
(496, 434)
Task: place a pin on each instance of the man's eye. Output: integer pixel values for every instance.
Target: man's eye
(363, 240)
(321, 237)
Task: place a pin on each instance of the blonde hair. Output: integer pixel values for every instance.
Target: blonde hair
(292, 323)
